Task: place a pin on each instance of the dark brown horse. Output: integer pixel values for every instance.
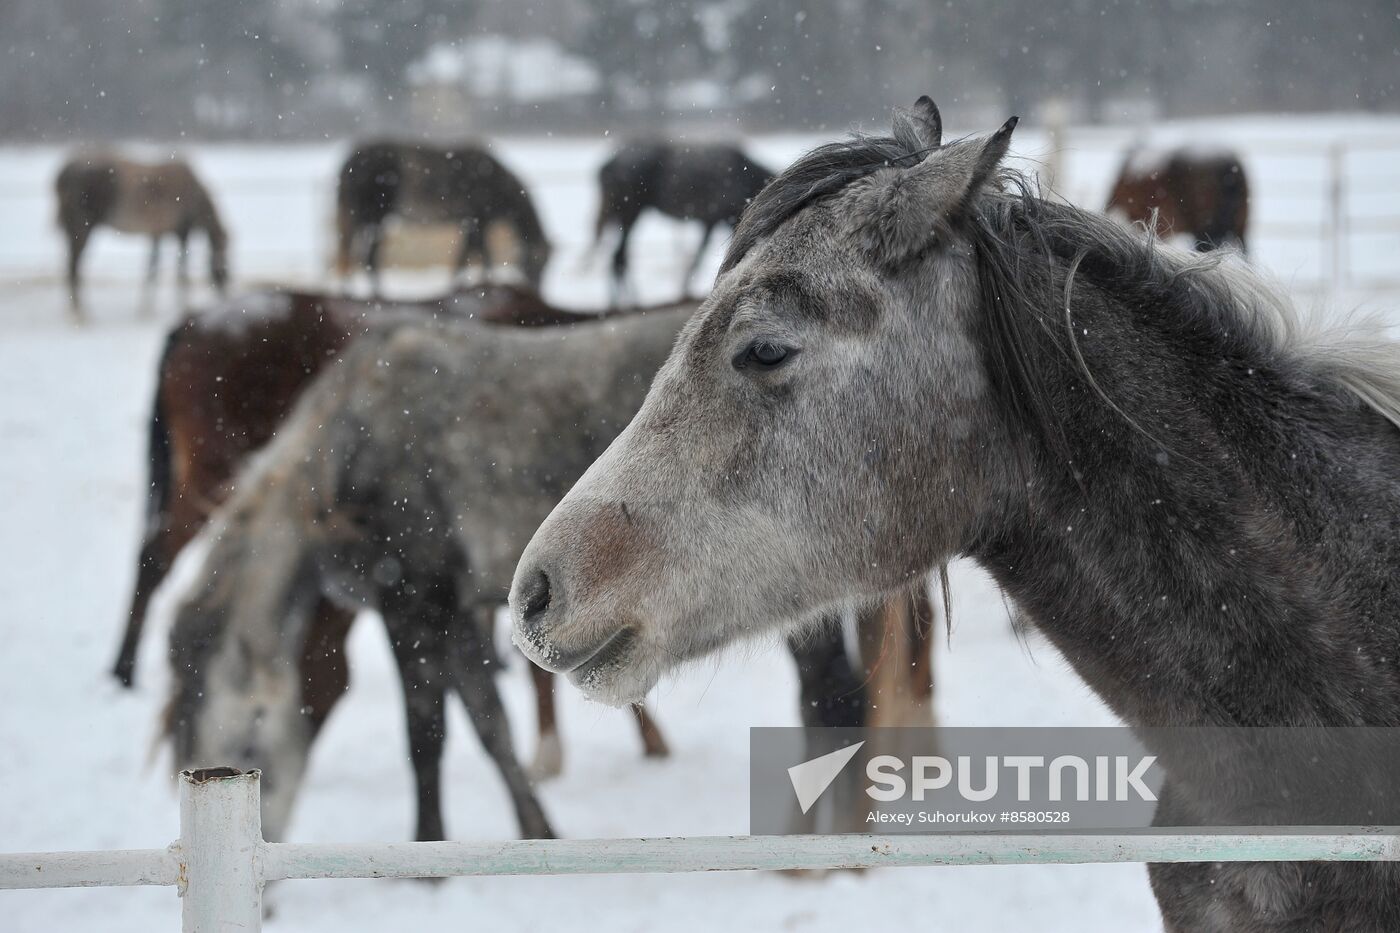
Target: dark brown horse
(710, 183)
(226, 380)
(421, 184)
(1201, 194)
(158, 199)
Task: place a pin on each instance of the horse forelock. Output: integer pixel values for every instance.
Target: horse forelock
(817, 175)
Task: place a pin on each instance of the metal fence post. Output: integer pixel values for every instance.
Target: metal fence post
(221, 872)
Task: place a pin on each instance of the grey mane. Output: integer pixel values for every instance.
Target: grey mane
(1032, 256)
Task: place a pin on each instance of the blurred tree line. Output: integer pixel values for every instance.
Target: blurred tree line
(308, 68)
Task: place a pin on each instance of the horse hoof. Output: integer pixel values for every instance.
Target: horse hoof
(657, 748)
(549, 759)
(125, 675)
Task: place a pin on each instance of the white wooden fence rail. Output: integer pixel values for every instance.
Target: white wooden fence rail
(220, 863)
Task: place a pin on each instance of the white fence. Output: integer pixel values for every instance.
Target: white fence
(220, 863)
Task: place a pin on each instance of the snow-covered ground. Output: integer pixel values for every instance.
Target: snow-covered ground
(76, 763)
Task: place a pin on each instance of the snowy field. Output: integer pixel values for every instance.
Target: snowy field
(77, 766)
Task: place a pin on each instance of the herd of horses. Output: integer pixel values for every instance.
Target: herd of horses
(1136, 443)
(1203, 195)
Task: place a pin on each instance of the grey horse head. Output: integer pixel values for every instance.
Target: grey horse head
(781, 461)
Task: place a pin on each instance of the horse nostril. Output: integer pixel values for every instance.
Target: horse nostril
(536, 597)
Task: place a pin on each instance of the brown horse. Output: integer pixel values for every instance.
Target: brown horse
(421, 184)
(164, 198)
(226, 379)
(1202, 194)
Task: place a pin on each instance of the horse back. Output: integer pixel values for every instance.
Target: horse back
(228, 379)
(430, 184)
(711, 183)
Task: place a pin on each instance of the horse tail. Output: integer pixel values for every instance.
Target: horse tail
(366, 193)
(160, 474)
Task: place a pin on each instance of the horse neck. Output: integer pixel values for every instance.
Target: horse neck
(519, 211)
(205, 217)
(1234, 567)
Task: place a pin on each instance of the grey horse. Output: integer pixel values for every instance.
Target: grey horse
(909, 356)
(408, 478)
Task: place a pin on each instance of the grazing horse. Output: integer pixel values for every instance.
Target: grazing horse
(710, 183)
(136, 197)
(1196, 193)
(422, 184)
(908, 356)
(226, 380)
(409, 477)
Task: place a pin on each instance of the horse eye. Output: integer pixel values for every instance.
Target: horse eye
(763, 354)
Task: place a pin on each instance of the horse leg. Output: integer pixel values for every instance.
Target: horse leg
(882, 631)
(153, 266)
(619, 261)
(653, 742)
(182, 259)
(418, 653)
(468, 661)
(376, 240)
(831, 695)
(695, 261)
(77, 242)
(922, 616)
(325, 673)
(471, 242)
(549, 751)
(152, 566)
(149, 284)
(345, 230)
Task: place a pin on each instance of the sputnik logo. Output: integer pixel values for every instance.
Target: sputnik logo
(811, 778)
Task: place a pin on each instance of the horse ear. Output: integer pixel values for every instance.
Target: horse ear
(920, 128)
(898, 212)
(993, 151)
